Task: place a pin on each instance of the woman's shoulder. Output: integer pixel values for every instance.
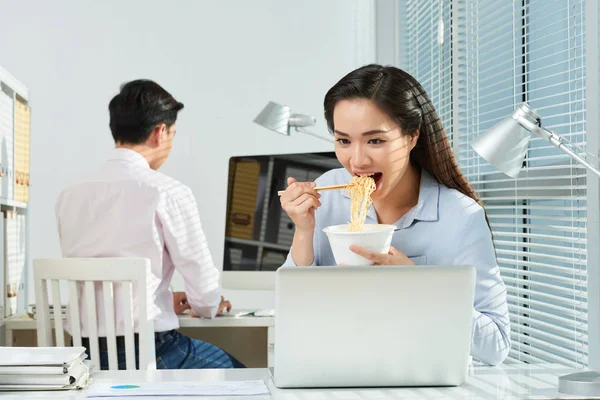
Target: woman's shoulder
(456, 204)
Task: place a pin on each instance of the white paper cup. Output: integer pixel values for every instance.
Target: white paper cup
(374, 237)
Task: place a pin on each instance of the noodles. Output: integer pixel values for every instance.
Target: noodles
(359, 189)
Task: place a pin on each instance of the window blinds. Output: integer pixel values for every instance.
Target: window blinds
(506, 52)
(429, 46)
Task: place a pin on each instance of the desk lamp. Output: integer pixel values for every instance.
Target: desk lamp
(505, 146)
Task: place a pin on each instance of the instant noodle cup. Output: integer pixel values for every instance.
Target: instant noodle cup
(373, 237)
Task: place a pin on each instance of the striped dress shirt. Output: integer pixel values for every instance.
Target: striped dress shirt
(126, 209)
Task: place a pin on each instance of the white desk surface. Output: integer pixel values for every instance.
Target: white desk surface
(25, 322)
(505, 382)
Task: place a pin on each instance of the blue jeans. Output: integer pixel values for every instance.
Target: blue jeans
(176, 351)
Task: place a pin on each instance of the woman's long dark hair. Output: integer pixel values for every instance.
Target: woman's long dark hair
(403, 99)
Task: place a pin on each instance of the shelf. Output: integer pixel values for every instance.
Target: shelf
(257, 243)
(12, 203)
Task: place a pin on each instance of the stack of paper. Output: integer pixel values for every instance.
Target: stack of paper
(43, 368)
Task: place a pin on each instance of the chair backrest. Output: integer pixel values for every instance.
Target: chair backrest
(88, 271)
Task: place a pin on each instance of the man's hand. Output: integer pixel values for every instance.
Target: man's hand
(180, 303)
(394, 257)
(225, 304)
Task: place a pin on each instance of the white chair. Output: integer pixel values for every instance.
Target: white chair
(125, 271)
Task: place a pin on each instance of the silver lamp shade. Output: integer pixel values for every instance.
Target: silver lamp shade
(505, 144)
(280, 119)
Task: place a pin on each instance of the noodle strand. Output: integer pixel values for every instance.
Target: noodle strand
(360, 189)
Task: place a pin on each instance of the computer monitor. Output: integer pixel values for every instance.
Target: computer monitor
(258, 233)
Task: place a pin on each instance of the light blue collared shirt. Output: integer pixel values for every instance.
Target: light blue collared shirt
(444, 228)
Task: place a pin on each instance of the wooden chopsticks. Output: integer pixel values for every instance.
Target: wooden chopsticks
(320, 188)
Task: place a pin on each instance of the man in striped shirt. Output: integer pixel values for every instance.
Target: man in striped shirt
(127, 208)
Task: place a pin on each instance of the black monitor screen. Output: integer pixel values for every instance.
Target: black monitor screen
(258, 234)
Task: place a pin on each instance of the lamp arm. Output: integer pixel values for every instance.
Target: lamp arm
(326, 138)
(559, 142)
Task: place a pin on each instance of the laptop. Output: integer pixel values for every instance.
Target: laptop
(388, 326)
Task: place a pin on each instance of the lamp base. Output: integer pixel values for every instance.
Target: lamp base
(586, 383)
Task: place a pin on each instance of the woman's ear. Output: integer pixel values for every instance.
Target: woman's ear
(414, 138)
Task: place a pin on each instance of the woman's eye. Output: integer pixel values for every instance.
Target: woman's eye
(343, 141)
(376, 141)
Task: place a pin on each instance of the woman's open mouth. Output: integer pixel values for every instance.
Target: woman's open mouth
(377, 176)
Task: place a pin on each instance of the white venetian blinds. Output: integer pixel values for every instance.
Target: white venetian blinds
(506, 52)
(429, 46)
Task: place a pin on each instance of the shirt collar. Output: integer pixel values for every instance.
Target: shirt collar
(132, 156)
(427, 208)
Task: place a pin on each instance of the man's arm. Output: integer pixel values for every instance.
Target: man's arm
(57, 207)
(188, 249)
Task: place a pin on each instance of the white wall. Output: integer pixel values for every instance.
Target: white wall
(223, 59)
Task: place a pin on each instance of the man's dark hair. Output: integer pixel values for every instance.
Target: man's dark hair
(138, 108)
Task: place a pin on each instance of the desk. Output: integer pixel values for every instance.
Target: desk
(506, 382)
(25, 322)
